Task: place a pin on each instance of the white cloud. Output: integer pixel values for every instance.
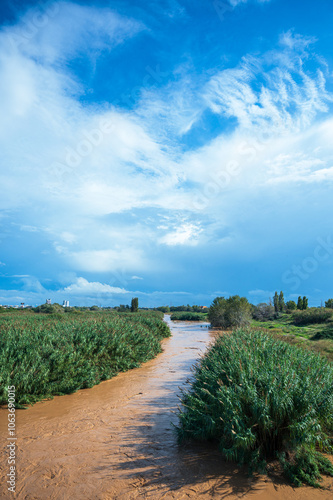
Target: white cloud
(50, 35)
(297, 167)
(295, 41)
(186, 234)
(178, 105)
(280, 105)
(31, 284)
(84, 287)
(68, 237)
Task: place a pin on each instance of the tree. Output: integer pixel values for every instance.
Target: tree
(216, 312)
(282, 305)
(234, 311)
(135, 304)
(291, 305)
(263, 312)
(305, 303)
(238, 311)
(329, 303)
(300, 303)
(276, 302)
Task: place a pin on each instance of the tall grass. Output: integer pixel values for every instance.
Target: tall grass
(44, 355)
(262, 398)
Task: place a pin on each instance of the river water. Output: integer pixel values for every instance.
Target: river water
(116, 440)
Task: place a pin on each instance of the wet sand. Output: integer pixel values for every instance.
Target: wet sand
(115, 441)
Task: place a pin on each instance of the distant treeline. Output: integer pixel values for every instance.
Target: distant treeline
(264, 311)
(188, 308)
(188, 316)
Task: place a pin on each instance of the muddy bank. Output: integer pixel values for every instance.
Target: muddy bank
(115, 441)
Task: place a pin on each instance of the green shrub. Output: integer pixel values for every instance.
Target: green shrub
(259, 398)
(49, 309)
(311, 316)
(325, 333)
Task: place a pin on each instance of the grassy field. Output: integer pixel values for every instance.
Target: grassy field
(47, 354)
(317, 337)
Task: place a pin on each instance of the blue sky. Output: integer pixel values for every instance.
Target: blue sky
(170, 150)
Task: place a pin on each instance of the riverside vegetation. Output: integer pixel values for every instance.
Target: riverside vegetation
(258, 396)
(261, 398)
(52, 354)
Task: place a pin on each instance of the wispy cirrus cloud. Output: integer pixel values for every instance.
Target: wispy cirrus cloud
(49, 35)
(263, 96)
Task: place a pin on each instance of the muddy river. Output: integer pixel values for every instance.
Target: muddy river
(116, 440)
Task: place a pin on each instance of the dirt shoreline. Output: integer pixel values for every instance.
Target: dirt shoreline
(115, 441)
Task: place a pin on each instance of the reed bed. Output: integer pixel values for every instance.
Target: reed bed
(262, 399)
(47, 355)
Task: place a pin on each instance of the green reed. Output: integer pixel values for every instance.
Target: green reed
(45, 355)
(262, 399)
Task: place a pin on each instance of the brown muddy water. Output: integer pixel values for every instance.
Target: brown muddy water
(116, 441)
